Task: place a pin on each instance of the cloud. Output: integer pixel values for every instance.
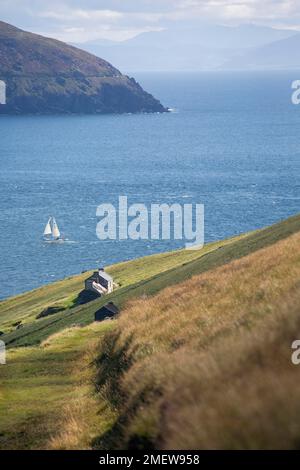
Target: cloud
(82, 20)
(70, 15)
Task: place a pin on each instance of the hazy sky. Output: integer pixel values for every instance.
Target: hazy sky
(82, 20)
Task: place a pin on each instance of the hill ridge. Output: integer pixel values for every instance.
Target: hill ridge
(44, 76)
(186, 263)
(200, 356)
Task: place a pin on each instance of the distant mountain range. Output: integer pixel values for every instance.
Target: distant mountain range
(44, 75)
(279, 55)
(202, 47)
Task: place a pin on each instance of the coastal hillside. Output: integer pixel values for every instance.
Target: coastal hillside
(203, 337)
(145, 276)
(207, 364)
(45, 76)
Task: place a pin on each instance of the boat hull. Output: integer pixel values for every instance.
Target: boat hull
(55, 242)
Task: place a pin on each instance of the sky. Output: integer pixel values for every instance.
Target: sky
(78, 21)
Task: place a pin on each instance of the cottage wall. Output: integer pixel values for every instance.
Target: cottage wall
(97, 278)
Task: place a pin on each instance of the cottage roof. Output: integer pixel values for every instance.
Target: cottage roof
(105, 276)
(93, 277)
(111, 307)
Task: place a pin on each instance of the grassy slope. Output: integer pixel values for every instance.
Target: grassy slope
(207, 364)
(135, 278)
(48, 387)
(26, 306)
(47, 397)
(128, 275)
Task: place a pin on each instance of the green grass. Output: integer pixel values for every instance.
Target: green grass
(145, 276)
(25, 307)
(39, 383)
(46, 394)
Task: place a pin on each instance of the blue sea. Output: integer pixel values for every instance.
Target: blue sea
(231, 142)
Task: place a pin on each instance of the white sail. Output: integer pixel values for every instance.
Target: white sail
(48, 230)
(55, 230)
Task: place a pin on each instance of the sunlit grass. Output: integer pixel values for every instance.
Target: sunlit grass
(43, 388)
(206, 364)
(188, 348)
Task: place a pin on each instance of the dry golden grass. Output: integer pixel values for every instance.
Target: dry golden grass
(206, 364)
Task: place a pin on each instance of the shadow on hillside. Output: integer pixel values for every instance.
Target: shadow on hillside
(82, 298)
(114, 360)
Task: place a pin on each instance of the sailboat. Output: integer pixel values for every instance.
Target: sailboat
(51, 232)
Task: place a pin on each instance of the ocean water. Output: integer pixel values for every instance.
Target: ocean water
(231, 143)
